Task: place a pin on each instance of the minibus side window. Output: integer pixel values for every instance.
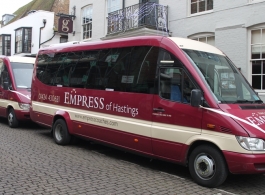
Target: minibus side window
(116, 74)
(4, 76)
(129, 69)
(85, 71)
(2, 66)
(175, 84)
(143, 70)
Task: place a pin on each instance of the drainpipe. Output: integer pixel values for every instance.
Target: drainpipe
(44, 24)
(54, 32)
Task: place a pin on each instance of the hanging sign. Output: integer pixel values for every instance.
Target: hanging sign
(65, 25)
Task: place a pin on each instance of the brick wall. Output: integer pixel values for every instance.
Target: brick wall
(59, 6)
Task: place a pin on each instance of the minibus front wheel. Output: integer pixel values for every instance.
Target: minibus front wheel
(11, 118)
(207, 166)
(61, 135)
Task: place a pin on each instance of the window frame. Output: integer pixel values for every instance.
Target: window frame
(5, 48)
(261, 59)
(25, 41)
(88, 24)
(117, 6)
(198, 12)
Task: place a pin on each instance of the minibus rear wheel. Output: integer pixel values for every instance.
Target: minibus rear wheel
(207, 166)
(60, 132)
(11, 118)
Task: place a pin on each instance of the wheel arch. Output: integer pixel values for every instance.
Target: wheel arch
(8, 108)
(66, 117)
(199, 143)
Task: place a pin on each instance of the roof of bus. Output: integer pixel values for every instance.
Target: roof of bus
(184, 43)
(22, 59)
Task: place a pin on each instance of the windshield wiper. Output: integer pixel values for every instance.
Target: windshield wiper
(248, 101)
(258, 101)
(242, 101)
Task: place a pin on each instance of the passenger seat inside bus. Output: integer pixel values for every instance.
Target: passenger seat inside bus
(170, 87)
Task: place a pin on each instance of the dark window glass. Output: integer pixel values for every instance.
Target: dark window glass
(7, 45)
(145, 1)
(118, 66)
(23, 40)
(202, 6)
(4, 75)
(256, 67)
(130, 69)
(209, 4)
(256, 81)
(175, 85)
(27, 41)
(194, 8)
(142, 70)
(166, 58)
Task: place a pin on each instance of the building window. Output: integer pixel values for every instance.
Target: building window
(208, 38)
(258, 58)
(63, 39)
(114, 5)
(5, 45)
(23, 40)
(87, 22)
(1, 46)
(197, 6)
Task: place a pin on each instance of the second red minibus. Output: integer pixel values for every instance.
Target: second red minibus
(15, 85)
(165, 97)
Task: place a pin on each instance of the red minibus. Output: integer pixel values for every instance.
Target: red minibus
(15, 85)
(164, 97)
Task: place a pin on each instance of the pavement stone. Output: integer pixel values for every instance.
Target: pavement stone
(31, 163)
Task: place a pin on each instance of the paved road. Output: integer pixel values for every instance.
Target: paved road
(31, 163)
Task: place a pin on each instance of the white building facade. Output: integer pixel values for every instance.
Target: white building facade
(24, 37)
(236, 27)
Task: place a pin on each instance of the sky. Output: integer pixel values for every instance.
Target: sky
(10, 6)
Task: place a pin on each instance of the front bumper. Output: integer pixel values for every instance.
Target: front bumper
(245, 163)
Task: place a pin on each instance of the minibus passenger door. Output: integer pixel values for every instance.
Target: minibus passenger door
(174, 119)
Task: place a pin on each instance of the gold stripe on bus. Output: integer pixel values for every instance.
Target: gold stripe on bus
(188, 135)
(162, 131)
(5, 103)
(136, 126)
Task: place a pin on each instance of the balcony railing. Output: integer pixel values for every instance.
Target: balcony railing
(149, 15)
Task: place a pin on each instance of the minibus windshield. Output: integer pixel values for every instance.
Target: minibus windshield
(22, 74)
(224, 79)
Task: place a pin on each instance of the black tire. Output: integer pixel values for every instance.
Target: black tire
(11, 118)
(207, 166)
(61, 135)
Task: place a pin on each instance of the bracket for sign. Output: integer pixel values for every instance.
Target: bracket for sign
(66, 15)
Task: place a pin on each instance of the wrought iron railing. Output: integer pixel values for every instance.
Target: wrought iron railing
(150, 15)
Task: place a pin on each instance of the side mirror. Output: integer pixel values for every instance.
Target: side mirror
(6, 84)
(196, 97)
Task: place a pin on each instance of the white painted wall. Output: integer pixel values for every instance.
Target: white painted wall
(230, 21)
(34, 20)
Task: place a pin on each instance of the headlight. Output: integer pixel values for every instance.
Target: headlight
(24, 106)
(250, 143)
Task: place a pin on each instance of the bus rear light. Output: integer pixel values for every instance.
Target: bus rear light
(79, 126)
(135, 140)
